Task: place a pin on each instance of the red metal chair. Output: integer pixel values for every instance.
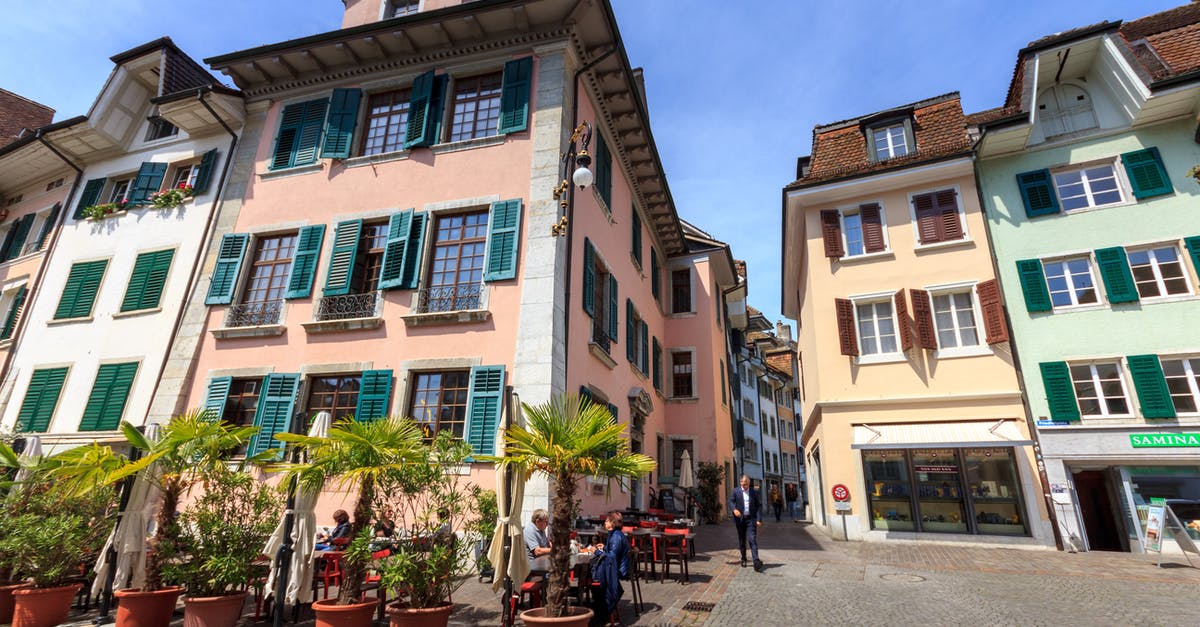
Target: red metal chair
(328, 573)
(647, 524)
(674, 549)
(374, 581)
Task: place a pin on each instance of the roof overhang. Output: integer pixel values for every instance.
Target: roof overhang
(29, 159)
(202, 111)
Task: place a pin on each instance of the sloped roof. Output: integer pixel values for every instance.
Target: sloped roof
(181, 73)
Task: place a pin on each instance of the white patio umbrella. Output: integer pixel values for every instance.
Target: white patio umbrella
(29, 456)
(687, 479)
(129, 536)
(304, 533)
(509, 503)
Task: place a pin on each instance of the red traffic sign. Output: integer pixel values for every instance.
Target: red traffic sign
(841, 493)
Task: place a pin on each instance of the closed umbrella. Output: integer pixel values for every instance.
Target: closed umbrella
(29, 457)
(687, 479)
(128, 537)
(510, 498)
(299, 575)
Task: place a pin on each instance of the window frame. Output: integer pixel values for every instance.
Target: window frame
(1092, 273)
(691, 310)
(246, 277)
(1180, 257)
(691, 352)
(904, 122)
(153, 122)
(1124, 189)
(1096, 383)
(176, 168)
(1191, 376)
(309, 386)
(981, 346)
(878, 357)
(115, 183)
(362, 127)
(388, 9)
(883, 225)
(425, 282)
(414, 389)
(962, 218)
(449, 102)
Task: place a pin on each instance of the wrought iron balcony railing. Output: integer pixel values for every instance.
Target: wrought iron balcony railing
(450, 298)
(254, 314)
(347, 307)
(600, 338)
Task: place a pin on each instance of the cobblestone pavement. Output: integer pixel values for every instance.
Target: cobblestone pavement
(812, 580)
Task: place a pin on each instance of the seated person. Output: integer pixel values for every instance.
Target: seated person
(610, 564)
(537, 543)
(444, 535)
(340, 531)
(385, 527)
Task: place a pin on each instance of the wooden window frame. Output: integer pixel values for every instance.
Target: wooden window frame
(863, 357)
(412, 8)
(1159, 281)
(415, 389)
(431, 236)
(126, 180)
(336, 411)
(691, 305)
(452, 105)
(365, 278)
(252, 251)
(241, 395)
(981, 347)
(904, 122)
(400, 97)
(1190, 375)
(691, 353)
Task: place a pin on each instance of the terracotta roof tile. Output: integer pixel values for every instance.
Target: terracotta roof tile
(781, 361)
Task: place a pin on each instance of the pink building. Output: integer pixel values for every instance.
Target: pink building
(386, 243)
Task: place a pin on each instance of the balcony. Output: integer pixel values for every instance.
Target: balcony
(449, 305)
(600, 344)
(347, 312)
(257, 319)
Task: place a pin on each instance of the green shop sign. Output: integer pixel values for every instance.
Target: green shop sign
(1164, 440)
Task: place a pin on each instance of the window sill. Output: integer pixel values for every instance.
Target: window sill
(685, 314)
(968, 351)
(347, 324)
(139, 312)
(886, 254)
(383, 157)
(1068, 212)
(17, 260)
(107, 216)
(637, 372)
(684, 400)
(5, 343)
(958, 243)
(266, 330)
(292, 171)
(446, 317)
(885, 358)
(468, 144)
(600, 354)
(637, 265)
(61, 321)
(603, 205)
(1076, 308)
(1154, 300)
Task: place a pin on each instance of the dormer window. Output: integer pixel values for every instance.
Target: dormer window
(890, 139)
(1065, 108)
(400, 8)
(160, 128)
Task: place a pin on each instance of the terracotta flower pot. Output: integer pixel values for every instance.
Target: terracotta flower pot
(222, 611)
(7, 601)
(575, 617)
(403, 616)
(330, 614)
(43, 607)
(146, 609)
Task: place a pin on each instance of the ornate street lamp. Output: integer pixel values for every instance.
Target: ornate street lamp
(581, 176)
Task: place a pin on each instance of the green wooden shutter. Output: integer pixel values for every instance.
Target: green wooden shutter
(411, 274)
(149, 179)
(291, 120)
(514, 95)
(484, 401)
(635, 236)
(1193, 246)
(589, 278)
(374, 395)
(613, 308)
(1147, 174)
(422, 122)
(585, 393)
(80, 293)
(300, 127)
(1033, 285)
(1118, 279)
(20, 234)
(1151, 385)
(214, 400)
(89, 196)
(304, 261)
(724, 393)
(655, 275)
(392, 266)
(656, 364)
(8, 240)
(229, 265)
(1037, 192)
(274, 415)
(14, 313)
(48, 225)
(309, 138)
(1060, 392)
(343, 257)
(339, 125)
(40, 400)
(643, 344)
(204, 172)
(147, 280)
(603, 171)
(504, 236)
(106, 403)
(630, 334)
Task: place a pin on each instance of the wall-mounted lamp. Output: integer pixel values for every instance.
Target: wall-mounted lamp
(581, 176)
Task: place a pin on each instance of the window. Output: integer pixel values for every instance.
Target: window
(724, 392)
(271, 269)
(764, 389)
(337, 394)
(1094, 186)
(456, 274)
(890, 142)
(55, 184)
(1070, 282)
(400, 8)
(876, 328)
(599, 298)
(681, 291)
(677, 449)
(147, 280)
(1100, 389)
(242, 402)
(1158, 272)
(852, 230)
(748, 411)
(937, 217)
(637, 339)
(373, 241)
(160, 128)
(45, 386)
(120, 190)
(185, 175)
(387, 121)
(439, 401)
(681, 374)
(1183, 381)
(635, 241)
(13, 305)
(954, 318)
(79, 295)
(476, 107)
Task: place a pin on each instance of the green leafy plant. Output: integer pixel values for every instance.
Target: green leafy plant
(171, 198)
(708, 492)
(485, 524)
(1194, 172)
(568, 438)
(104, 210)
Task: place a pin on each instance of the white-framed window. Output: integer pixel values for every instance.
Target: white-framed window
(120, 190)
(1100, 389)
(1071, 282)
(159, 128)
(890, 142)
(1158, 271)
(748, 411)
(185, 173)
(852, 231)
(864, 229)
(955, 319)
(1095, 185)
(876, 324)
(1183, 380)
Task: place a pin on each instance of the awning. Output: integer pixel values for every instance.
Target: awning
(934, 434)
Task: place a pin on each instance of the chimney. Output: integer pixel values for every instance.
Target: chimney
(783, 331)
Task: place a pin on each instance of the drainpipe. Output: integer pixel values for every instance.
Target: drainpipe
(731, 359)
(1029, 422)
(197, 270)
(41, 271)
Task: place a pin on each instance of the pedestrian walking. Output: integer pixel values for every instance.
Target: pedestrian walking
(746, 506)
(776, 502)
(789, 493)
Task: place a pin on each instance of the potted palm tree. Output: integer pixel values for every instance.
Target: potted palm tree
(353, 456)
(567, 439)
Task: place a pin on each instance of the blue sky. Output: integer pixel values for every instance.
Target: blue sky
(734, 88)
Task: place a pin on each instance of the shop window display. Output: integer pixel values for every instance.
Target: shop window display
(887, 483)
(939, 493)
(992, 484)
(1176, 484)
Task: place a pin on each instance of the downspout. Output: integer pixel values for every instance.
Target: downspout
(1044, 480)
(730, 358)
(41, 271)
(197, 269)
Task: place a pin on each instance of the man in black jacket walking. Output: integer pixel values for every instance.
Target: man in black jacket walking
(746, 507)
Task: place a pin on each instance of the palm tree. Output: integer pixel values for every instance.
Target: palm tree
(358, 455)
(567, 439)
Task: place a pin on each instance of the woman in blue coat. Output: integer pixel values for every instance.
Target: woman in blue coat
(610, 564)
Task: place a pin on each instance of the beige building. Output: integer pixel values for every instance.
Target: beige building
(911, 396)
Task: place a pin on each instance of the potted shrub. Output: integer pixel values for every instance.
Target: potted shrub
(427, 563)
(353, 456)
(484, 527)
(567, 439)
(708, 494)
(14, 502)
(221, 534)
(190, 447)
